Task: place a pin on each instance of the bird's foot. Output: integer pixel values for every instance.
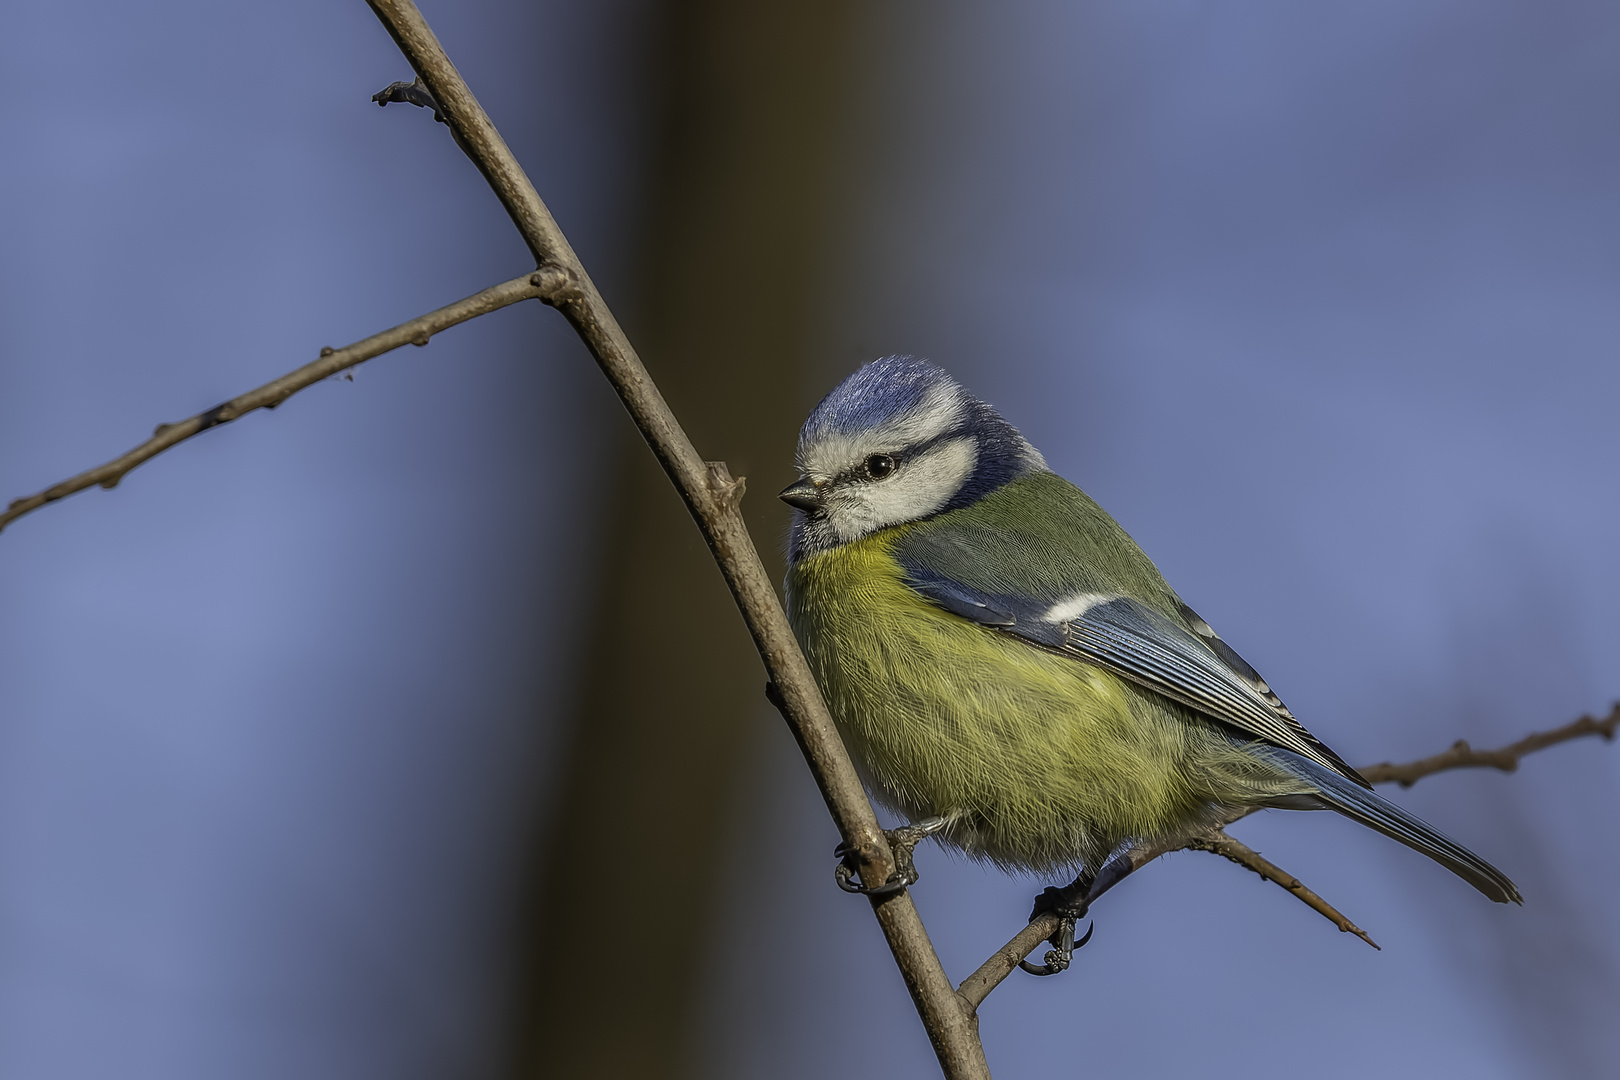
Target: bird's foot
(1069, 904)
(901, 842)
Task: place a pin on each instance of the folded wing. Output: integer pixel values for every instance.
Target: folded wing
(1184, 662)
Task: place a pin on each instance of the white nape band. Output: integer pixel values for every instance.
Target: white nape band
(1071, 608)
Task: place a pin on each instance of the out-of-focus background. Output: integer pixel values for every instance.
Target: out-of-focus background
(407, 732)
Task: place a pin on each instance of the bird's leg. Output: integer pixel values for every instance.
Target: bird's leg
(1110, 875)
(1070, 905)
(901, 842)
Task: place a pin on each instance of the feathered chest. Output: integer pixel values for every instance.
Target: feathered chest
(1036, 758)
(917, 689)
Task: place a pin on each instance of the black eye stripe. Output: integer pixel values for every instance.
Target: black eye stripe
(898, 457)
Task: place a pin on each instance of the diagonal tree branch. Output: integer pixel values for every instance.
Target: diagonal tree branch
(1218, 843)
(976, 987)
(711, 496)
(273, 393)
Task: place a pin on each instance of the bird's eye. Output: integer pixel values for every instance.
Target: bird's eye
(879, 465)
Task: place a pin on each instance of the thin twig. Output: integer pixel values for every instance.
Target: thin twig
(1463, 756)
(1004, 961)
(710, 495)
(273, 393)
(976, 987)
(1218, 843)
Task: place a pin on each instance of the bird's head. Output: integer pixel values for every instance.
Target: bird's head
(897, 441)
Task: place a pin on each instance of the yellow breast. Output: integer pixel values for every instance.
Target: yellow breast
(1038, 759)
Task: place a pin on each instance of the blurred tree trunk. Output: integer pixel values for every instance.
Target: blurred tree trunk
(748, 107)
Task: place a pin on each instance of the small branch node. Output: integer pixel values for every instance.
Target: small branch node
(160, 429)
(421, 339)
(410, 93)
(327, 350)
(557, 284)
(728, 492)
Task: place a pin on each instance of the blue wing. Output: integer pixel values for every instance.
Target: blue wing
(1184, 661)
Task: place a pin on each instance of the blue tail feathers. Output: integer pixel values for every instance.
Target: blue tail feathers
(1375, 812)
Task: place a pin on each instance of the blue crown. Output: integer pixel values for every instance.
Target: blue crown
(897, 389)
(881, 392)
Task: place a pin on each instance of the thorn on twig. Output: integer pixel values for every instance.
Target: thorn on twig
(727, 491)
(409, 93)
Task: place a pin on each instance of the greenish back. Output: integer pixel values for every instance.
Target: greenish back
(1038, 537)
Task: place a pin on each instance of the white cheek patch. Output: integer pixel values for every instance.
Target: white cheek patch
(1071, 608)
(916, 489)
(833, 454)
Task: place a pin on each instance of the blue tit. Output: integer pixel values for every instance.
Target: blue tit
(1003, 660)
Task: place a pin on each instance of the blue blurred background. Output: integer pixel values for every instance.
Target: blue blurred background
(1319, 300)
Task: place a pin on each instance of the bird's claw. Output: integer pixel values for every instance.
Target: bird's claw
(1059, 957)
(900, 880)
(1069, 911)
(901, 842)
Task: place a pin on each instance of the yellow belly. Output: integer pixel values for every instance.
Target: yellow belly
(1038, 760)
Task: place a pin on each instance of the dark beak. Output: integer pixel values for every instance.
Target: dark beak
(802, 495)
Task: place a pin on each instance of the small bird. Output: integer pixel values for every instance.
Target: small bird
(1006, 665)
